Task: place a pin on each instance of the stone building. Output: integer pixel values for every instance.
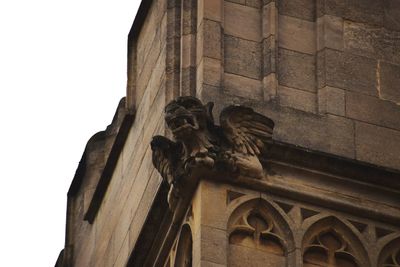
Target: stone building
(302, 167)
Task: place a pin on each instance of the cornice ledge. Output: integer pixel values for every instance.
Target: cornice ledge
(242, 146)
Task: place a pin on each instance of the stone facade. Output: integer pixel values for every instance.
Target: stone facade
(326, 72)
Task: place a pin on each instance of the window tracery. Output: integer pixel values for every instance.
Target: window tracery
(258, 234)
(329, 249)
(254, 230)
(331, 243)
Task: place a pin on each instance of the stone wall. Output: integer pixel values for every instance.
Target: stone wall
(326, 71)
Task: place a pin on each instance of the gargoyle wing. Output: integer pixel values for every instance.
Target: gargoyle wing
(247, 130)
(166, 154)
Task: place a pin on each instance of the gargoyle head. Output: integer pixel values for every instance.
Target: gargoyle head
(187, 115)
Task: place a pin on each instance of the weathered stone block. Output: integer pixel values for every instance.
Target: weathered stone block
(372, 110)
(109, 257)
(212, 71)
(163, 29)
(366, 11)
(297, 34)
(173, 22)
(372, 41)
(331, 100)
(199, 77)
(270, 86)
(297, 99)
(269, 20)
(209, 264)
(302, 9)
(189, 17)
(242, 57)
(389, 82)
(340, 132)
(392, 14)
(242, 21)
(157, 77)
(331, 7)
(147, 37)
(331, 134)
(241, 2)
(200, 44)
(145, 70)
(173, 48)
(212, 39)
(188, 84)
(378, 145)
(347, 71)
(330, 32)
(143, 207)
(242, 255)
(269, 56)
(213, 245)
(296, 70)
(121, 231)
(241, 86)
(213, 9)
(250, 3)
(100, 247)
(188, 42)
(213, 203)
(254, 3)
(122, 254)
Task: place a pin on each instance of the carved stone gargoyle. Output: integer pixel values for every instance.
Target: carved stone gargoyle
(201, 146)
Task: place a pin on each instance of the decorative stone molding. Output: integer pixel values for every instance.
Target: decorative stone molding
(203, 148)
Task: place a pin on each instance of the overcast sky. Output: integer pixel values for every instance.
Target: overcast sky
(62, 74)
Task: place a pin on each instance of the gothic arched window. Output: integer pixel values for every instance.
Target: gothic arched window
(257, 234)
(253, 230)
(330, 243)
(328, 249)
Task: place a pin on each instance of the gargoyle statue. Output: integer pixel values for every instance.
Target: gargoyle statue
(234, 146)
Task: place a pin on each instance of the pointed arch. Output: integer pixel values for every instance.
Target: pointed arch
(330, 242)
(257, 233)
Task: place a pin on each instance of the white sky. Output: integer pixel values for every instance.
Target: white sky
(62, 74)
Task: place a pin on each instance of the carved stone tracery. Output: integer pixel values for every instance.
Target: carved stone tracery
(254, 230)
(330, 250)
(258, 235)
(330, 243)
